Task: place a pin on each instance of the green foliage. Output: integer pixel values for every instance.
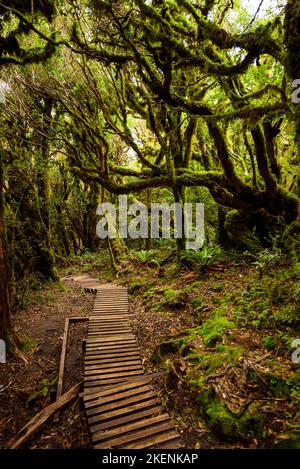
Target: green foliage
(46, 387)
(213, 330)
(171, 298)
(28, 344)
(198, 304)
(269, 342)
(137, 285)
(145, 257)
(209, 362)
(201, 258)
(174, 298)
(266, 259)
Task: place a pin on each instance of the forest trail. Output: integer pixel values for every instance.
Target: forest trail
(122, 406)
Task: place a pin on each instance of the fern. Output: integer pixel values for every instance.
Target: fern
(201, 258)
(145, 256)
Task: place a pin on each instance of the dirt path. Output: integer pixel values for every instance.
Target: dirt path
(33, 386)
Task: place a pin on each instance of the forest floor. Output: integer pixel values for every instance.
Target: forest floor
(32, 387)
(221, 335)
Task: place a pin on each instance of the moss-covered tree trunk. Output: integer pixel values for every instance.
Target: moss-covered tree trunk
(179, 197)
(90, 218)
(292, 40)
(45, 255)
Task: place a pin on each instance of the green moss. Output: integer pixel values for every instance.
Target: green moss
(198, 305)
(209, 362)
(214, 329)
(198, 302)
(170, 298)
(269, 342)
(152, 291)
(224, 422)
(28, 344)
(137, 285)
(174, 298)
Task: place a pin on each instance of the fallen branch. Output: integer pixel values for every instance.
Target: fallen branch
(62, 365)
(2, 388)
(36, 422)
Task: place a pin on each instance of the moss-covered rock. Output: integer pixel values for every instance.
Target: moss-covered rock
(137, 285)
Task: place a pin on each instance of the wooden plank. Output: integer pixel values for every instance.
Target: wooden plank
(62, 360)
(38, 420)
(152, 441)
(111, 363)
(94, 385)
(112, 315)
(130, 409)
(62, 365)
(115, 339)
(109, 348)
(120, 395)
(110, 323)
(110, 342)
(106, 353)
(111, 369)
(134, 436)
(113, 348)
(108, 357)
(112, 373)
(116, 374)
(106, 332)
(111, 355)
(146, 422)
(111, 311)
(107, 342)
(129, 343)
(132, 383)
(115, 301)
(108, 366)
(116, 423)
(123, 403)
(110, 327)
(111, 303)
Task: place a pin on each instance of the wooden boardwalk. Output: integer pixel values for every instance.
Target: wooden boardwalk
(122, 406)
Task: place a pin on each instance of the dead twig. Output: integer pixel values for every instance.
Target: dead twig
(2, 388)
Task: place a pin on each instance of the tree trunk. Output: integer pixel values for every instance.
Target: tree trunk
(46, 259)
(179, 197)
(222, 238)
